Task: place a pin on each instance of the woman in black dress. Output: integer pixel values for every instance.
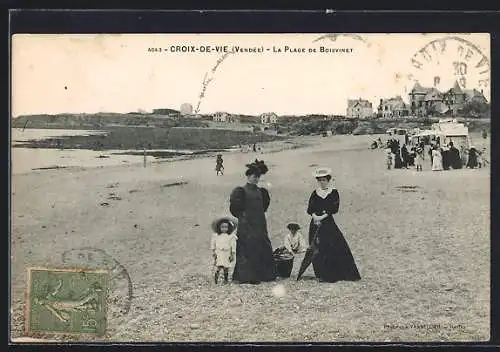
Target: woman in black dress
(254, 252)
(219, 165)
(334, 261)
(472, 161)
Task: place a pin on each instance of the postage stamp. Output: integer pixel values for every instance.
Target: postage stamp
(66, 301)
(252, 187)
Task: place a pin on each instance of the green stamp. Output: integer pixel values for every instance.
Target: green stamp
(66, 301)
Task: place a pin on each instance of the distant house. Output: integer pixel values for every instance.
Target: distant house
(220, 116)
(359, 108)
(268, 118)
(475, 95)
(186, 109)
(426, 101)
(393, 107)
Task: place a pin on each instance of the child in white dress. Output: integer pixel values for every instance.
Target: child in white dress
(223, 246)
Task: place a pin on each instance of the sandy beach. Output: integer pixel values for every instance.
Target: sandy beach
(421, 241)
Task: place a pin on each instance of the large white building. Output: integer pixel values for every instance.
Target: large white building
(359, 108)
(393, 107)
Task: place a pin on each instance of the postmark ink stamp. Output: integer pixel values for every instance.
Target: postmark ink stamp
(462, 61)
(209, 77)
(66, 301)
(335, 36)
(120, 284)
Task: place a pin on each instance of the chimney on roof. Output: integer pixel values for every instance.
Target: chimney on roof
(437, 80)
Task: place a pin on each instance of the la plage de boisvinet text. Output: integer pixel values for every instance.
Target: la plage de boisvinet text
(256, 49)
(288, 49)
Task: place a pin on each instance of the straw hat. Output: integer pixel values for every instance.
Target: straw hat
(322, 172)
(233, 223)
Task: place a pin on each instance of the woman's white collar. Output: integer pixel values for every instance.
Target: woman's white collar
(323, 193)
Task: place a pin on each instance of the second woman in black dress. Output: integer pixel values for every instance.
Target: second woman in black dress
(334, 262)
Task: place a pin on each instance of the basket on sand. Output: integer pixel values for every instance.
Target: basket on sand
(283, 260)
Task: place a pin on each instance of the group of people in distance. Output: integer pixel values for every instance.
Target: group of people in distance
(442, 157)
(245, 244)
(402, 157)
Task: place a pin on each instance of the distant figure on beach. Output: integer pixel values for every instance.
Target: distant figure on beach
(481, 158)
(463, 155)
(431, 148)
(485, 134)
(472, 162)
(404, 156)
(411, 157)
(334, 261)
(482, 161)
(437, 159)
(394, 146)
(398, 163)
(254, 252)
(223, 245)
(254, 148)
(454, 156)
(389, 158)
(219, 167)
(419, 158)
(445, 155)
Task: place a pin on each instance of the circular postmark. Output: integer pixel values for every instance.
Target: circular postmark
(335, 36)
(443, 61)
(121, 289)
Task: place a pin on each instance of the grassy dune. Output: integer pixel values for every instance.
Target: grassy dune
(155, 138)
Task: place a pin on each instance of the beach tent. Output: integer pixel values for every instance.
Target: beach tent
(399, 134)
(454, 132)
(422, 135)
(447, 132)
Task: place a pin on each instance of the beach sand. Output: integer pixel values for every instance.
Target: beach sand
(423, 251)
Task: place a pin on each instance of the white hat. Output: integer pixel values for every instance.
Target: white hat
(322, 172)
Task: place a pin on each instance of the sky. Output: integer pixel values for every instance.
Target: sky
(118, 73)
